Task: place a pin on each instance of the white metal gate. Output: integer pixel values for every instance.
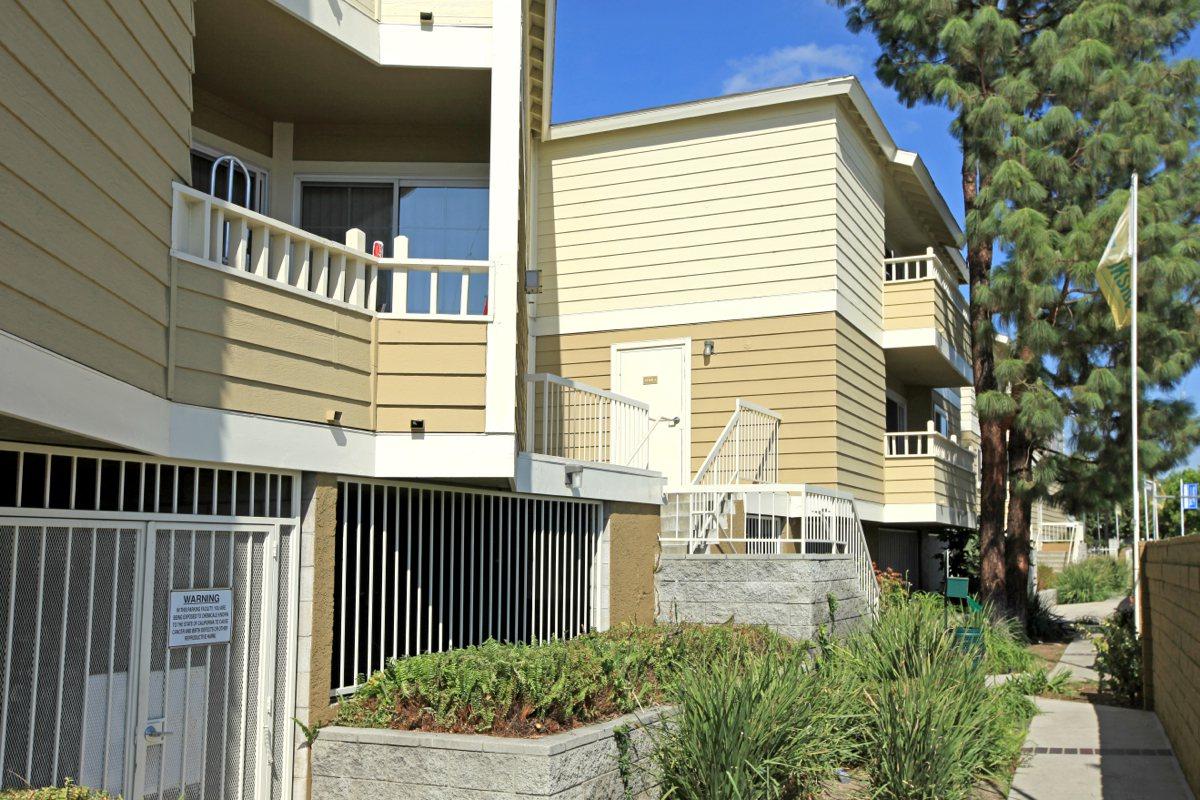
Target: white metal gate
(92, 690)
(204, 723)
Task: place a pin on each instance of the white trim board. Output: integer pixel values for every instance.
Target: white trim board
(69, 396)
(929, 337)
(926, 514)
(779, 305)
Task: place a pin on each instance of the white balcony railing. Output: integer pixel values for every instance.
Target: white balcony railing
(928, 444)
(224, 235)
(923, 267)
(747, 450)
(572, 420)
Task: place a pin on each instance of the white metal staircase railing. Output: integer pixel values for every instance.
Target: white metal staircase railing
(747, 451)
(572, 420)
(1070, 533)
(770, 518)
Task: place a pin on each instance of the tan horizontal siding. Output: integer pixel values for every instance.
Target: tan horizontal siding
(434, 371)
(807, 368)
(860, 216)
(730, 207)
(928, 480)
(244, 346)
(95, 112)
(925, 304)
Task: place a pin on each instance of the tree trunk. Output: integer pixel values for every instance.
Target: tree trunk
(1020, 506)
(994, 456)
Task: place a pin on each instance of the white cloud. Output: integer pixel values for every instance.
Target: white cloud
(787, 65)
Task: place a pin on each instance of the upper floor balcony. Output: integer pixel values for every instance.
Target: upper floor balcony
(928, 478)
(925, 321)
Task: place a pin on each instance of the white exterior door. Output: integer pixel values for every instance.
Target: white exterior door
(658, 373)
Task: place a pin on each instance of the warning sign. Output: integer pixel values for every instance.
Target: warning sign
(200, 616)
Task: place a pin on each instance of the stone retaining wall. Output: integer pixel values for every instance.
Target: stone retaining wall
(789, 592)
(355, 763)
(1170, 587)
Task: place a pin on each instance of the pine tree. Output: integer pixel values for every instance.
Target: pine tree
(1055, 102)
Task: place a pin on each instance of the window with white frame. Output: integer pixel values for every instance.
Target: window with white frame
(443, 221)
(203, 159)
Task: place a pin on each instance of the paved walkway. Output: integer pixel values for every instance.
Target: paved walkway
(1098, 611)
(1080, 751)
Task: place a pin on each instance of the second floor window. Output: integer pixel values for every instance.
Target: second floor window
(441, 222)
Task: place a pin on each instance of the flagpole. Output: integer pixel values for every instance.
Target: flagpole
(1133, 395)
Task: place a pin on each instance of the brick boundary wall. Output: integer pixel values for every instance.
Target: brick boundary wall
(1170, 590)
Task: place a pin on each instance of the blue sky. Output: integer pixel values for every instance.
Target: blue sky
(620, 55)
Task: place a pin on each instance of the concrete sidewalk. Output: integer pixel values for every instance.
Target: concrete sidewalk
(1098, 611)
(1079, 751)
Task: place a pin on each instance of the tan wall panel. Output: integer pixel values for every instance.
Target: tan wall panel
(251, 347)
(446, 12)
(928, 480)
(860, 202)
(94, 114)
(808, 368)
(633, 531)
(690, 211)
(435, 371)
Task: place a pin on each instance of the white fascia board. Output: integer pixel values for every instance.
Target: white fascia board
(927, 514)
(929, 337)
(689, 313)
(547, 475)
(833, 87)
(454, 47)
(444, 455)
(395, 45)
(47, 389)
(548, 66)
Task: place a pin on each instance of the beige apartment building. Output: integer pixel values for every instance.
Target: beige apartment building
(321, 346)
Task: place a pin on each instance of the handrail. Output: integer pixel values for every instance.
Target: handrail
(747, 447)
(573, 420)
(214, 232)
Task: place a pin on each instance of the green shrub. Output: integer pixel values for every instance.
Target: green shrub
(1041, 681)
(1097, 578)
(1047, 578)
(1042, 624)
(68, 791)
(523, 689)
(1119, 659)
(932, 728)
(756, 725)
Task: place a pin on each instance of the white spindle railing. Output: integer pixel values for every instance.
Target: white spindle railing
(773, 518)
(928, 444)
(747, 451)
(218, 233)
(572, 420)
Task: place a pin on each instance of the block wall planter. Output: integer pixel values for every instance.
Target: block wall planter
(354, 763)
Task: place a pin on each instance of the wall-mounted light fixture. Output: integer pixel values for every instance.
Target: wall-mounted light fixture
(333, 416)
(417, 425)
(573, 476)
(426, 16)
(709, 348)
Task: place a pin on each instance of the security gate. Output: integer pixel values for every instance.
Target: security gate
(204, 721)
(108, 685)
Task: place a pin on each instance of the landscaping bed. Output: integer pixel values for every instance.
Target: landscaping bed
(898, 709)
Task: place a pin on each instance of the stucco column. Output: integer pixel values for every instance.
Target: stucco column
(633, 548)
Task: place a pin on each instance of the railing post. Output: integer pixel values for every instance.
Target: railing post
(399, 275)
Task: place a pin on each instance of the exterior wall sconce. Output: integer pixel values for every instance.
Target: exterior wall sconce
(417, 425)
(709, 348)
(573, 476)
(333, 416)
(426, 17)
